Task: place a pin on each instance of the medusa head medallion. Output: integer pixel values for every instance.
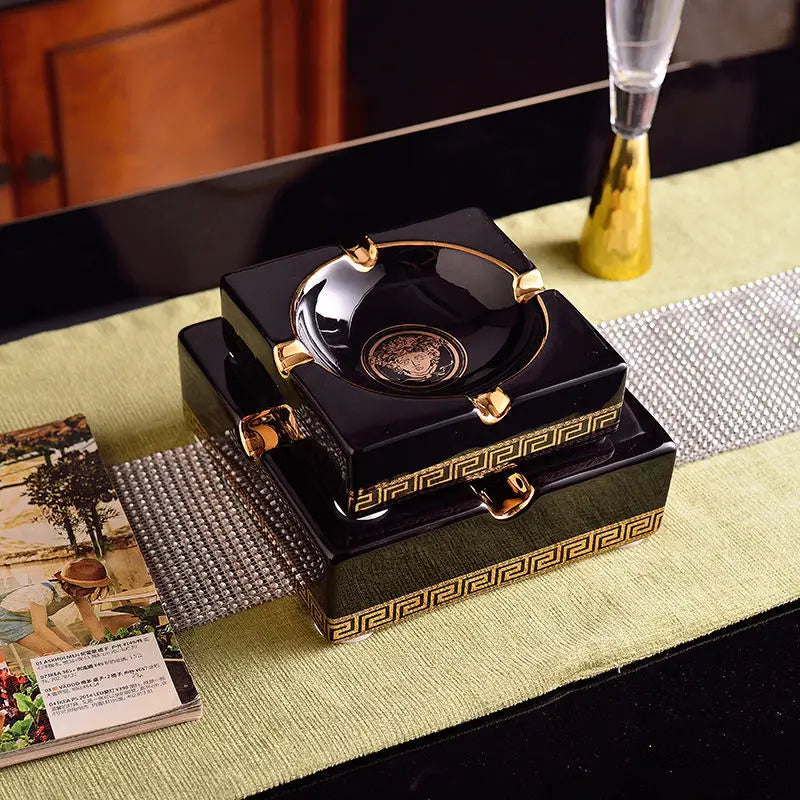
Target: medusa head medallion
(413, 357)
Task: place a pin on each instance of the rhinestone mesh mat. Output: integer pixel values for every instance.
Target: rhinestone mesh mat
(720, 372)
(214, 533)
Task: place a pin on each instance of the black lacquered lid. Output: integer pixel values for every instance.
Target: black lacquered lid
(423, 345)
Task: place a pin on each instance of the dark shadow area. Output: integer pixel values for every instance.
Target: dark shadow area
(712, 718)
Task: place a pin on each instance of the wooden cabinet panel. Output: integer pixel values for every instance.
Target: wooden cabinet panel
(7, 207)
(162, 103)
(106, 97)
(27, 37)
(284, 27)
(327, 40)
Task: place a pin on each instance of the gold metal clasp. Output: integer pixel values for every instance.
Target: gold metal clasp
(289, 355)
(267, 430)
(508, 498)
(492, 406)
(364, 255)
(527, 285)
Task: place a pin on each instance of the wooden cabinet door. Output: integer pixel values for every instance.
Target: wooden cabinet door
(108, 97)
(162, 104)
(28, 37)
(7, 207)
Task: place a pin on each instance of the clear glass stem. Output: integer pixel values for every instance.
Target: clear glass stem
(632, 109)
(640, 35)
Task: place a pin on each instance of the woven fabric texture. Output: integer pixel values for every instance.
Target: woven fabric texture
(727, 548)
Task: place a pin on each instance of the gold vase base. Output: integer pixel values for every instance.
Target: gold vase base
(616, 241)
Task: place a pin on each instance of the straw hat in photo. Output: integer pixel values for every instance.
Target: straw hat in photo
(88, 573)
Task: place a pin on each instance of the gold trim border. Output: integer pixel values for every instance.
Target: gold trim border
(474, 464)
(193, 422)
(581, 546)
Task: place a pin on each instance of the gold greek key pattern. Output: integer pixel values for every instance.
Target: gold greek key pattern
(477, 463)
(581, 546)
(194, 423)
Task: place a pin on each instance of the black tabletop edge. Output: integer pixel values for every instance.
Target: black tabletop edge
(532, 735)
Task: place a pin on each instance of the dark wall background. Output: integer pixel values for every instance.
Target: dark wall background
(411, 61)
(418, 60)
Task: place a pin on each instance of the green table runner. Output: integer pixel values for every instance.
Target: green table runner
(281, 703)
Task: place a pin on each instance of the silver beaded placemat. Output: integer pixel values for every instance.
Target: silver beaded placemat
(720, 372)
(215, 534)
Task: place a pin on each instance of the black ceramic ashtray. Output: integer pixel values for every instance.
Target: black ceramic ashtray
(416, 358)
(417, 319)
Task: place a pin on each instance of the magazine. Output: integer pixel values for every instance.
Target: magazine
(86, 651)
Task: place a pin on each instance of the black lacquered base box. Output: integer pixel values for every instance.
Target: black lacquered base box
(433, 418)
(432, 549)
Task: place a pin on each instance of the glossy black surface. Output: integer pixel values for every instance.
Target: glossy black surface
(339, 311)
(422, 541)
(448, 533)
(221, 389)
(637, 439)
(382, 435)
(88, 262)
